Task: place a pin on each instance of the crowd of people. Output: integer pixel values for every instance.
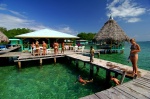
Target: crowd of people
(36, 48)
(133, 56)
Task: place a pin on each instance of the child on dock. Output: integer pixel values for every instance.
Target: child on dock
(92, 54)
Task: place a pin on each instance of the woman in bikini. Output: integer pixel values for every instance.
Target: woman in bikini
(44, 45)
(37, 48)
(135, 48)
(55, 45)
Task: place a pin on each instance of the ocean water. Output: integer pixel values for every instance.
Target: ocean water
(58, 81)
(144, 55)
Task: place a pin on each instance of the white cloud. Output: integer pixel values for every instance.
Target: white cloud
(10, 22)
(125, 9)
(4, 8)
(67, 29)
(18, 20)
(131, 20)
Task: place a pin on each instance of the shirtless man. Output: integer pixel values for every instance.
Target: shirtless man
(55, 45)
(37, 48)
(44, 45)
(62, 47)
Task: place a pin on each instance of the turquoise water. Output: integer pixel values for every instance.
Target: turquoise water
(144, 56)
(58, 81)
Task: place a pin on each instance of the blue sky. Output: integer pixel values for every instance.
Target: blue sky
(75, 16)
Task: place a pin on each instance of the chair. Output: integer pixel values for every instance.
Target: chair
(82, 49)
(48, 51)
(75, 48)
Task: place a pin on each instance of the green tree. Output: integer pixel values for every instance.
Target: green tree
(13, 32)
(86, 36)
(2, 29)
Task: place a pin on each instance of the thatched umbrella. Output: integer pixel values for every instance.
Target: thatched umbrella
(3, 37)
(111, 31)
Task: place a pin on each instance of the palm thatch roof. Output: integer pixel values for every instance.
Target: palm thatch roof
(3, 37)
(111, 31)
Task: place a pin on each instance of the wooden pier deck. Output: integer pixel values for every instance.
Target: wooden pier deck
(9, 49)
(136, 89)
(114, 67)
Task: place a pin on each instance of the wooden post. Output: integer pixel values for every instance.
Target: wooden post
(19, 64)
(91, 72)
(77, 64)
(98, 54)
(123, 76)
(97, 70)
(107, 76)
(40, 61)
(116, 75)
(84, 65)
(54, 60)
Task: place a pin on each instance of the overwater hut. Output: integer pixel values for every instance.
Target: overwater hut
(47, 35)
(3, 39)
(111, 37)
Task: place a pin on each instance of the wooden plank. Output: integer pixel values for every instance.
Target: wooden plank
(145, 91)
(124, 93)
(101, 95)
(93, 96)
(30, 59)
(142, 81)
(114, 94)
(130, 92)
(146, 76)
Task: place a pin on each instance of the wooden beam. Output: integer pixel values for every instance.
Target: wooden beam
(40, 61)
(19, 65)
(91, 71)
(54, 60)
(107, 76)
(122, 78)
(77, 64)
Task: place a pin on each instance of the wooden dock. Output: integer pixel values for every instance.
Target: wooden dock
(136, 89)
(114, 67)
(9, 49)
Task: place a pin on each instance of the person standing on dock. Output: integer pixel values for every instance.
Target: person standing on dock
(33, 48)
(62, 47)
(55, 45)
(135, 48)
(92, 54)
(37, 48)
(44, 45)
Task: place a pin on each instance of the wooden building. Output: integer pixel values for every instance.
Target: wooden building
(47, 35)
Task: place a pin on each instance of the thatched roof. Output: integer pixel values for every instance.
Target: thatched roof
(111, 31)
(3, 37)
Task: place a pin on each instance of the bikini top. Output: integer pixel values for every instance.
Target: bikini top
(133, 47)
